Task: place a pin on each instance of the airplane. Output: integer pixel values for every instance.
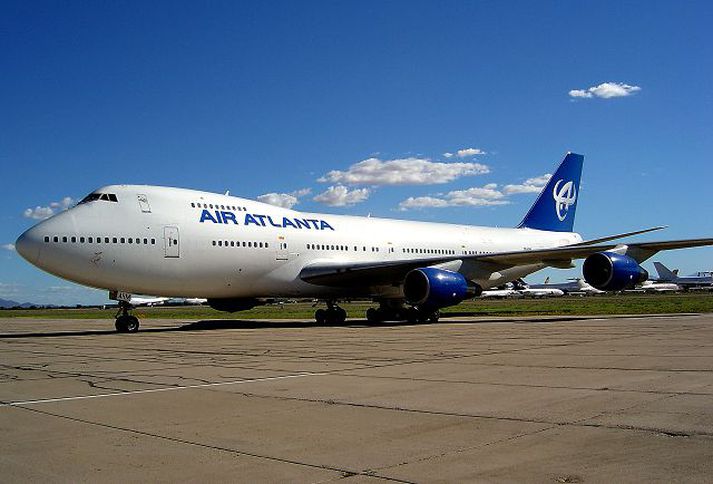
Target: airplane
(700, 280)
(656, 286)
(237, 252)
(147, 301)
(503, 292)
(575, 285)
(528, 291)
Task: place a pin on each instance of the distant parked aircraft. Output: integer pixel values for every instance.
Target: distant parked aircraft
(656, 286)
(573, 286)
(701, 279)
(147, 300)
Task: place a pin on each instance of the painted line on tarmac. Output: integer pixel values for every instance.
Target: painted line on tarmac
(158, 390)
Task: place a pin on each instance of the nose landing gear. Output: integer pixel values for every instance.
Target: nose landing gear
(125, 322)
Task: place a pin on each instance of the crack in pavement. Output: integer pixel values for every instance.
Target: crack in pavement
(344, 471)
(575, 423)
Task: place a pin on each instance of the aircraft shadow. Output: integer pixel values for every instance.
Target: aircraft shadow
(211, 325)
(226, 324)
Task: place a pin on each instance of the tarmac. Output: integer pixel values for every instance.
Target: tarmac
(464, 400)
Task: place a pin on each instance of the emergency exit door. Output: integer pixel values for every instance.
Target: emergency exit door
(171, 242)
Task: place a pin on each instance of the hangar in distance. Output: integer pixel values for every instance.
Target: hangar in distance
(237, 252)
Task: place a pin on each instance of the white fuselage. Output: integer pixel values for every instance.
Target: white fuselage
(200, 244)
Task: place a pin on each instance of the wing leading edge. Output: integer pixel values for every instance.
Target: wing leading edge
(392, 272)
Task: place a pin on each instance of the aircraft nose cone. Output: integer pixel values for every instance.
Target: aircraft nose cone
(28, 246)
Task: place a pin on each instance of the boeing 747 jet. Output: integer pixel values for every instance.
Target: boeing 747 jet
(237, 252)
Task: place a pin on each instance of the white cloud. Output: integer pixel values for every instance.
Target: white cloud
(43, 212)
(403, 171)
(484, 196)
(464, 152)
(531, 185)
(340, 196)
(10, 247)
(605, 90)
(469, 152)
(284, 200)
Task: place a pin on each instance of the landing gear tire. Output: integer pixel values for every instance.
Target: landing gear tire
(331, 315)
(434, 317)
(373, 316)
(127, 324)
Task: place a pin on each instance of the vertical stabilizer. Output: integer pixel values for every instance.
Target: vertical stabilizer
(664, 273)
(555, 206)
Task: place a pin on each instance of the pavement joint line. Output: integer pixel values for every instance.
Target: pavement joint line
(157, 390)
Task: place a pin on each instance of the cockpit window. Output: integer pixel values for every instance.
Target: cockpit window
(90, 198)
(107, 197)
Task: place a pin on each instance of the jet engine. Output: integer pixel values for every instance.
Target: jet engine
(433, 288)
(231, 305)
(609, 271)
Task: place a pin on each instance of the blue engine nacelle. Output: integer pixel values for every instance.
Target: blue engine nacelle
(609, 271)
(437, 288)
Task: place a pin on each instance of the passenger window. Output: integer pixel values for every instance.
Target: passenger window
(130, 240)
(153, 241)
(74, 240)
(47, 239)
(55, 238)
(122, 240)
(146, 241)
(81, 239)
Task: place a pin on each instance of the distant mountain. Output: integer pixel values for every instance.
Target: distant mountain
(6, 303)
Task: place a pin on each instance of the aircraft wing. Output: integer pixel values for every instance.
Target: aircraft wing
(393, 272)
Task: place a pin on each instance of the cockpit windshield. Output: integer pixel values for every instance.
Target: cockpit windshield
(107, 197)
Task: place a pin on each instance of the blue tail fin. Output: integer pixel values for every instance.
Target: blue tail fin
(555, 206)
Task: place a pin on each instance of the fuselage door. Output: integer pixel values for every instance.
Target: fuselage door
(144, 203)
(283, 252)
(171, 242)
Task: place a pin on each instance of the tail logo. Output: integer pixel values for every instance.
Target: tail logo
(564, 197)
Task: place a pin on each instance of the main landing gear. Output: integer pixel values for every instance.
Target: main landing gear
(332, 315)
(396, 311)
(125, 322)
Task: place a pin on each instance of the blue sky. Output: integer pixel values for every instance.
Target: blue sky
(269, 97)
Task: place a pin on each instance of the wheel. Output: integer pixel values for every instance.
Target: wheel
(132, 324)
(433, 317)
(372, 315)
(127, 324)
(341, 315)
(412, 315)
(121, 324)
(320, 316)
